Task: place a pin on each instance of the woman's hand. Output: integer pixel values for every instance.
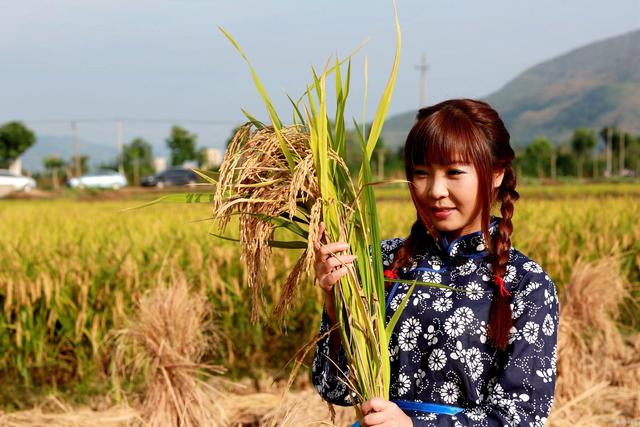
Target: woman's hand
(383, 413)
(330, 266)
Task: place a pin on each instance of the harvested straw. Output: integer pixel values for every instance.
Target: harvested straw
(164, 344)
(598, 367)
(54, 413)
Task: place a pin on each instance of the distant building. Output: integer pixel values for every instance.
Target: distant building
(212, 158)
(190, 164)
(159, 164)
(16, 166)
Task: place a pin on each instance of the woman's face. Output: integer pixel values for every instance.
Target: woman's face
(448, 195)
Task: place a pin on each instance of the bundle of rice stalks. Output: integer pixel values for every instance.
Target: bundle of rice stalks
(598, 367)
(162, 346)
(291, 177)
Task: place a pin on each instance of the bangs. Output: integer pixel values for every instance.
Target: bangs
(444, 137)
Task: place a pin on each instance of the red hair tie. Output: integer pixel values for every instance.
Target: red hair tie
(500, 282)
(391, 274)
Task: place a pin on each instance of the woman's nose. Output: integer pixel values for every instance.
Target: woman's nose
(438, 188)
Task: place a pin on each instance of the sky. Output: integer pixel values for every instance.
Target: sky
(157, 62)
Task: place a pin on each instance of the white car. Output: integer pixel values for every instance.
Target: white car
(100, 179)
(10, 181)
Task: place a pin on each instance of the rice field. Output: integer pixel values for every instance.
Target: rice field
(71, 271)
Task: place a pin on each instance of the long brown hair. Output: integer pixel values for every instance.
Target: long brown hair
(470, 131)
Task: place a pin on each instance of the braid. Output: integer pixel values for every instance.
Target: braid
(500, 317)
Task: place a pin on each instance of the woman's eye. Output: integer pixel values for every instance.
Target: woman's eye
(421, 173)
(455, 171)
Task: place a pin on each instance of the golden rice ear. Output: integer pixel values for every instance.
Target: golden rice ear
(303, 184)
(291, 285)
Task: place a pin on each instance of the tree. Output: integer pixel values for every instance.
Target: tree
(541, 150)
(634, 153)
(137, 159)
(54, 164)
(182, 145)
(582, 143)
(83, 161)
(15, 139)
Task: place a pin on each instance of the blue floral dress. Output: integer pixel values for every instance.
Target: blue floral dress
(439, 348)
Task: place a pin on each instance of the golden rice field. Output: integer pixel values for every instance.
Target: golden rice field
(71, 270)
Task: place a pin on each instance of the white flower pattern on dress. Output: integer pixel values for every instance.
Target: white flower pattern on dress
(431, 277)
(442, 304)
(411, 327)
(437, 359)
(464, 314)
(449, 392)
(439, 350)
(474, 291)
(530, 332)
(467, 268)
(396, 301)
(404, 384)
(407, 342)
(532, 266)
(547, 326)
(454, 326)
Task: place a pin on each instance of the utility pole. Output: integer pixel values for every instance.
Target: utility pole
(76, 149)
(423, 79)
(609, 151)
(594, 156)
(621, 152)
(120, 133)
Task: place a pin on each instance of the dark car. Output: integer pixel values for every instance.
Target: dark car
(171, 177)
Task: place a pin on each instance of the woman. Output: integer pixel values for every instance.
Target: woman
(484, 355)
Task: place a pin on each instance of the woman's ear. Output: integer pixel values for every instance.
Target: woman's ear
(498, 175)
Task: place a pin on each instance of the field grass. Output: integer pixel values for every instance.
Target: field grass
(71, 270)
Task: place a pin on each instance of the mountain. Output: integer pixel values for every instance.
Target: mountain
(593, 86)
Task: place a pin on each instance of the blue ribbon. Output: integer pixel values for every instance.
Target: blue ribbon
(435, 408)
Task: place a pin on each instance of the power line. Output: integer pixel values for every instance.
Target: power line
(135, 120)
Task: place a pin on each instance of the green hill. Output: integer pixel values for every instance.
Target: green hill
(593, 86)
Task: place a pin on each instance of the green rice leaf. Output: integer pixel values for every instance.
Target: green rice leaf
(282, 244)
(394, 319)
(202, 174)
(275, 120)
(383, 106)
(257, 123)
(297, 112)
(176, 198)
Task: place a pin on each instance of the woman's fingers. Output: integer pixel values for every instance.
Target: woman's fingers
(376, 404)
(339, 260)
(373, 419)
(325, 251)
(330, 279)
(332, 263)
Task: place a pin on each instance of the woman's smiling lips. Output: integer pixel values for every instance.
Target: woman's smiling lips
(442, 213)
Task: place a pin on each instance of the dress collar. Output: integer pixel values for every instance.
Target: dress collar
(468, 246)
